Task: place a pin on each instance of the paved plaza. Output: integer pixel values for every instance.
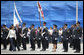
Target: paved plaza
(37, 51)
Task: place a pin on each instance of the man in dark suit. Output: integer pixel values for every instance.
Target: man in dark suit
(44, 37)
(65, 38)
(71, 38)
(5, 33)
(78, 35)
(18, 39)
(23, 35)
(39, 38)
(32, 37)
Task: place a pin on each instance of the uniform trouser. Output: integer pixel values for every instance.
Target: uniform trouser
(33, 44)
(71, 42)
(50, 39)
(27, 40)
(4, 42)
(74, 43)
(17, 44)
(47, 44)
(44, 45)
(39, 43)
(59, 39)
(65, 45)
(77, 44)
(12, 44)
(24, 43)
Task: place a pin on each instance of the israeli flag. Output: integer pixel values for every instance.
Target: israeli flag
(17, 19)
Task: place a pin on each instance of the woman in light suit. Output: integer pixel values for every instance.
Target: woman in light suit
(12, 38)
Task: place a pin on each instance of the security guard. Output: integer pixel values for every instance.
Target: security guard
(44, 37)
(39, 38)
(23, 35)
(65, 38)
(78, 35)
(32, 37)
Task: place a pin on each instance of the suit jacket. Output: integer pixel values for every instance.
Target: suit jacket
(18, 31)
(32, 34)
(55, 34)
(39, 35)
(78, 32)
(46, 35)
(5, 33)
(24, 31)
(65, 34)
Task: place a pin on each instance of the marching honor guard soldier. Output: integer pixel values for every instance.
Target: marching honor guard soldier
(44, 37)
(78, 35)
(65, 38)
(4, 35)
(23, 35)
(39, 38)
(54, 37)
(32, 37)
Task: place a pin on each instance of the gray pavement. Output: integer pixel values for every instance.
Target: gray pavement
(37, 51)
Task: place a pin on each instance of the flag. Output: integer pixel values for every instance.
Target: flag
(40, 10)
(17, 18)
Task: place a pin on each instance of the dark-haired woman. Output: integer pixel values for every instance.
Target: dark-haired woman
(12, 37)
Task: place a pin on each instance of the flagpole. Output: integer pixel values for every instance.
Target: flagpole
(39, 19)
(76, 11)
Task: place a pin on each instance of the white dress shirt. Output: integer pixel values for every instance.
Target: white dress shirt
(50, 31)
(11, 34)
(60, 32)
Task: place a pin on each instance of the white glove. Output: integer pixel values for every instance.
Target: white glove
(71, 35)
(15, 38)
(39, 38)
(61, 36)
(46, 38)
(24, 37)
(67, 38)
(43, 33)
(79, 37)
(74, 35)
(55, 38)
(34, 38)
